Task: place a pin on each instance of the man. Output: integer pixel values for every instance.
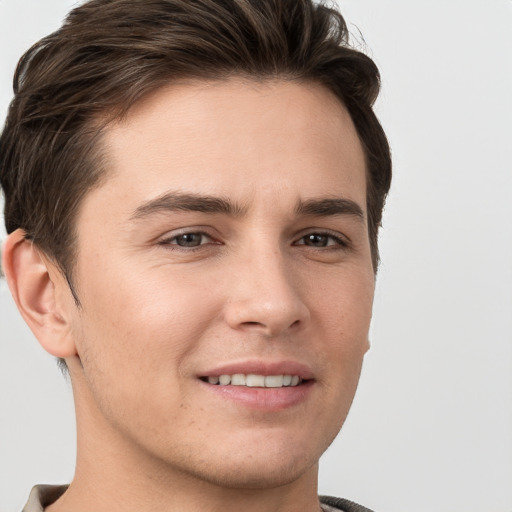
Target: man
(193, 191)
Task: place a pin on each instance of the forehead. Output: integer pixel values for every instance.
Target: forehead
(239, 137)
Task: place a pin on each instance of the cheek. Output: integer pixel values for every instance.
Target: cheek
(133, 340)
(344, 303)
(133, 326)
(342, 315)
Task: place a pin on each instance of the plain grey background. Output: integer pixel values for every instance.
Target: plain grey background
(431, 426)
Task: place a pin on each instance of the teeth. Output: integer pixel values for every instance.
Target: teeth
(256, 381)
(224, 380)
(274, 381)
(239, 379)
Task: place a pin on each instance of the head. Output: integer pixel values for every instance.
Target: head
(110, 54)
(121, 72)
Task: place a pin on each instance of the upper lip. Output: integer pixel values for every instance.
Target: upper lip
(258, 367)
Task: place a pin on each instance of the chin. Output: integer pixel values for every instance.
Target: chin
(257, 475)
(254, 464)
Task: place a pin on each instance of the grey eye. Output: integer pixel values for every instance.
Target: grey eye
(316, 240)
(189, 239)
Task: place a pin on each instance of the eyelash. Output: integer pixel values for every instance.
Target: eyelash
(340, 243)
(175, 247)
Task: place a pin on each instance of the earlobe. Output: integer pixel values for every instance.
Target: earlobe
(34, 282)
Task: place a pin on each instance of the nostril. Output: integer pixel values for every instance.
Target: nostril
(269, 317)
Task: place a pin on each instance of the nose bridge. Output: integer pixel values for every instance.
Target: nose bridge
(265, 294)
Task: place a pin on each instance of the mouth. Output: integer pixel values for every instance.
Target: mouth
(252, 380)
(263, 386)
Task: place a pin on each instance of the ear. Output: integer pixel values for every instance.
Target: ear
(37, 288)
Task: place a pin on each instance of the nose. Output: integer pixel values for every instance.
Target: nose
(266, 296)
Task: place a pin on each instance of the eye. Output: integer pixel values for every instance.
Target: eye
(191, 240)
(320, 240)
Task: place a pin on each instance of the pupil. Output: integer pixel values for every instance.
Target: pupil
(317, 240)
(189, 240)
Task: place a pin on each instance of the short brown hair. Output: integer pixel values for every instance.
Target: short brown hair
(110, 53)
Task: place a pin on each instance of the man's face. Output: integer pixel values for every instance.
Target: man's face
(229, 238)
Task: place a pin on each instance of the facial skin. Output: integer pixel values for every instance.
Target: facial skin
(252, 291)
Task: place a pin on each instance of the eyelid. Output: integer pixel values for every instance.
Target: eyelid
(340, 239)
(168, 238)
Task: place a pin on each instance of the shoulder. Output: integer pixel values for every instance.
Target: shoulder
(43, 495)
(342, 504)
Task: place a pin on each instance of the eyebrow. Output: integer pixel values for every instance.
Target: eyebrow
(329, 206)
(178, 201)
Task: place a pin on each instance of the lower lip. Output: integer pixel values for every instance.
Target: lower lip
(264, 399)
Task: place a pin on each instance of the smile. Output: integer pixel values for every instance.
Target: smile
(259, 385)
(252, 380)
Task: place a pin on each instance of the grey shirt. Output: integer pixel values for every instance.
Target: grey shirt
(44, 495)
